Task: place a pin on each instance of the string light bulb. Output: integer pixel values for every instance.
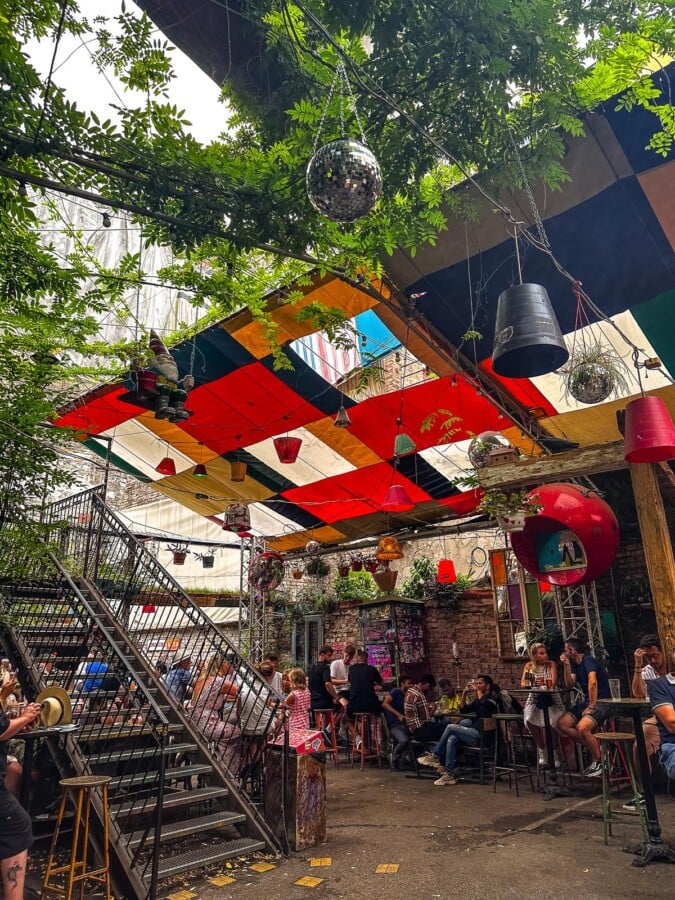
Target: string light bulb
(107, 222)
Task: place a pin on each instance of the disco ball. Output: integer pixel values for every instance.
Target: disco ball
(312, 547)
(590, 382)
(343, 180)
(483, 444)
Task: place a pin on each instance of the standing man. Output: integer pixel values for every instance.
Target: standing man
(662, 697)
(364, 680)
(582, 670)
(394, 709)
(419, 711)
(322, 689)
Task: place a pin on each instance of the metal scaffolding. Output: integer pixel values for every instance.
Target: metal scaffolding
(578, 614)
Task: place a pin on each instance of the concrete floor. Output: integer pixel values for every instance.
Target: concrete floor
(462, 841)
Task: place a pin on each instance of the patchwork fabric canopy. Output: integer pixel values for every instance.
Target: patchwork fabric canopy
(612, 227)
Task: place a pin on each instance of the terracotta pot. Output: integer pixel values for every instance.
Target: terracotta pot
(179, 557)
(297, 574)
(343, 571)
(371, 565)
(357, 565)
(385, 580)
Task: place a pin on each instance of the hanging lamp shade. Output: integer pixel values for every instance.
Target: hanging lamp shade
(649, 431)
(149, 608)
(238, 470)
(166, 466)
(388, 549)
(445, 574)
(287, 448)
(528, 340)
(397, 500)
(200, 471)
(342, 419)
(403, 444)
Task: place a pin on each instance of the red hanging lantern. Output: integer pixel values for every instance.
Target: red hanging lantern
(166, 466)
(149, 608)
(397, 500)
(650, 433)
(445, 573)
(287, 448)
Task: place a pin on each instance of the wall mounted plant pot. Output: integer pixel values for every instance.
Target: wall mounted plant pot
(179, 557)
(343, 571)
(512, 521)
(371, 565)
(208, 561)
(357, 565)
(297, 574)
(385, 580)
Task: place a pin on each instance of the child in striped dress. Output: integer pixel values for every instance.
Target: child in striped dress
(298, 701)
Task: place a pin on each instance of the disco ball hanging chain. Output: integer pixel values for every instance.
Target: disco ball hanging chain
(343, 177)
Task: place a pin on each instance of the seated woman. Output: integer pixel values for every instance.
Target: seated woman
(211, 691)
(541, 672)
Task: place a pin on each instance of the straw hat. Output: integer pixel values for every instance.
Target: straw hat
(56, 707)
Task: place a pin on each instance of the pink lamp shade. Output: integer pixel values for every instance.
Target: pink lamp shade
(397, 500)
(166, 466)
(287, 448)
(649, 431)
(446, 573)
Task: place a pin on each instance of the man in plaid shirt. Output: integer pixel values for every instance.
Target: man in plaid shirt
(419, 711)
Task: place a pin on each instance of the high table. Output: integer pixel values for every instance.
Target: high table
(555, 789)
(29, 738)
(654, 848)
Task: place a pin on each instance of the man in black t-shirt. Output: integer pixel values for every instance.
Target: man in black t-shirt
(324, 695)
(362, 680)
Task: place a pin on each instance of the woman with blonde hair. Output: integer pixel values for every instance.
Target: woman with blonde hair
(213, 688)
(541, 674)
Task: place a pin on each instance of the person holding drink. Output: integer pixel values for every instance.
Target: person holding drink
(541, 674)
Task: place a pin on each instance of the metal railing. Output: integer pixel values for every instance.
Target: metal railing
(56, 638)
(235, 711)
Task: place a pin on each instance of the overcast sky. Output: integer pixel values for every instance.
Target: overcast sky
(74, 71)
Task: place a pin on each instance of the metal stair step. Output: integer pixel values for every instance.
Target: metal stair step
(190, 826)
(207, 856)
(171, 800)
(111, 756)
(143, 779)
(107, 733)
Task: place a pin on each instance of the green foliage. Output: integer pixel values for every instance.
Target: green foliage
(357, 587)
(421, 571)
(498, 503)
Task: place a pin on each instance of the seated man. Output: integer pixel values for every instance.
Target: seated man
(662, 697)
(466, 733)
(394, 710)
(582, 670)
(419, 711)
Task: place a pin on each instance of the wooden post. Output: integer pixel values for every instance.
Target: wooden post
(658, 550)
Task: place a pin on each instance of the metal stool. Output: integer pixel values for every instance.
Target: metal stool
(366, 741)
(324, 720)
(504, 742)
(623, 741)
(76, 869)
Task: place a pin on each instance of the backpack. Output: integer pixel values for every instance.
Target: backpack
(507, 703)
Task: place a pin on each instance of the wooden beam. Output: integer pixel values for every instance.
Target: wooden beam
(667, 473)
(556, 467)
(658, 550)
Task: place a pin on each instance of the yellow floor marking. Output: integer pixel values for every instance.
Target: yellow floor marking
(308, 881)
(321, 861)
(221, 880)
(262, 867)
(387, 869)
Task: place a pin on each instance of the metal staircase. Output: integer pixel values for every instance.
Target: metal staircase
(179, 776)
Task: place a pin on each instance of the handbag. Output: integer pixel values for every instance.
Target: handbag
(543, 701)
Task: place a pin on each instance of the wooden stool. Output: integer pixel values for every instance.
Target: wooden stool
(609, 741)
(324, 720)
(504, 741)
(366, 741)
(76, 870)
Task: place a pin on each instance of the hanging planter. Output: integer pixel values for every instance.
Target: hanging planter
(511, 509)
(297, 574)
(266, 571)
(342, 566)
(593, 373)
(385, 579)
(179, 557)
(514, 521)
(356, 562)
(371, 564)
(317, 567)
(208, 561)
(528, 340)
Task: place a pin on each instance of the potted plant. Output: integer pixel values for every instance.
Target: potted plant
(385, 578)
(317, 567)
(356, 561)
(511, 509)
(342, 565)
(594, 372)
(267, 570)
(371, 564)
(422, 570)
(297, 572)
(355, 587)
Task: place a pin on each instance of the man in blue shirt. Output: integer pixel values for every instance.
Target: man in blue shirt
(662, 697)
(582, 670)
(394, 709)
(177, 680)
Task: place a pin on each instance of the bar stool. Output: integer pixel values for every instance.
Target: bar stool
(76, 869)
(366, 740)
(611, 741)
(324, 721)
(504, 741)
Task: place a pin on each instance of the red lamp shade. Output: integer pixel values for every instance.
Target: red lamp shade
(287, 448)
(166, 466)
(446, 572)
(200, 471)
(149, 608)
(397, 500)
(650, 433)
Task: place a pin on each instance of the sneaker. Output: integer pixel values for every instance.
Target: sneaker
(446, 779)
(428, 759)
(631, 805)
(358, 743)
(594, 770)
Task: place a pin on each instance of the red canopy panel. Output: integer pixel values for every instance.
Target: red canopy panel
(245, 407)
(99, 411)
